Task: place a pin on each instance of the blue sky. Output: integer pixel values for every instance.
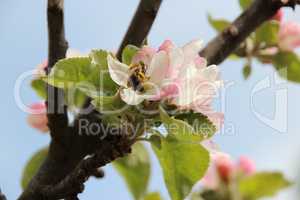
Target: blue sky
(102, 24)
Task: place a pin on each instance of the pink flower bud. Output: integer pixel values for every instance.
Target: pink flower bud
(246, 165)
(278, 16)
(224, 166)
(289, 36)
(38, 118)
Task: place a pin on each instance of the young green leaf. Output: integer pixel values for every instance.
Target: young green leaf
(99, 57)
(135, 169)
(267, 33)
(101, 77)
(153, 196)
(69, 72)
(128, 53)
(109, 103)
(263, 184)
(39, 86)
(247, 71)
(188, 127)
(287, 65)
(218, 24)
(33, 165)
(245, 3)
(183, 164)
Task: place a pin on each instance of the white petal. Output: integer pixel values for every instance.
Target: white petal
(191, 50)
(186, 92)
(118, 71)
(176, 58)
(131, 97)
(211, 73)
(158, 68)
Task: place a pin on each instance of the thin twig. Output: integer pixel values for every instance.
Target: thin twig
(229, 40)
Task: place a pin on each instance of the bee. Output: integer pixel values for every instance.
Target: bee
(137, 77)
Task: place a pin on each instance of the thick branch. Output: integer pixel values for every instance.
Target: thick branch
(2, 196)
(229, 40)
(57, 111)
(140, 24)
(69, 145)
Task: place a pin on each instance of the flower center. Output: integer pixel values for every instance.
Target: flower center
(137, 77)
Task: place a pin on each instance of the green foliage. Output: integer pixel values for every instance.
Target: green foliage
(109, 103)
(245, 3)
(267, 33)
(69, 72)
(33, 165)
(247, 71)
(264, 184)
(135, 169)
(218, 24)
(153, 196)
(128, 53)
(101, 78)
(89, 72)
(194, 128)
(182, 163)
(39, 86)
(287, 65)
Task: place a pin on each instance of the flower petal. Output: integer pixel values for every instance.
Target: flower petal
(192, 49)
(131, 97)
(211, 73)
(144, 55)
(176, 57)
(158, 68)
(167, 46)
(118, 71)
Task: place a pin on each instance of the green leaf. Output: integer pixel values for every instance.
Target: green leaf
(267, 33)
(247, 71)
(109, 103)
(264, 184)
(99, 57)
(183, 164)
(245, 3)
(39, 86)
(33, 165)
(287, 65)
(128, 53)
(153, 196)
(69, 72)
(218, 24)
(189, 127)
(101, 78)
(135, 169)
(74, 97)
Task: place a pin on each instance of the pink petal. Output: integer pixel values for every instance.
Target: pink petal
(289, 36)
(278, 16)
(145, 55)
(38, 117)
(246, 165)
(167, 46)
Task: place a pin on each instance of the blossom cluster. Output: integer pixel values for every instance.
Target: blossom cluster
(177, 75)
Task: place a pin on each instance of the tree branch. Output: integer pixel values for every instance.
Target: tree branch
(229, 40)
(57, 111)
(141, 24)
(2, 196)
(64, 171)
